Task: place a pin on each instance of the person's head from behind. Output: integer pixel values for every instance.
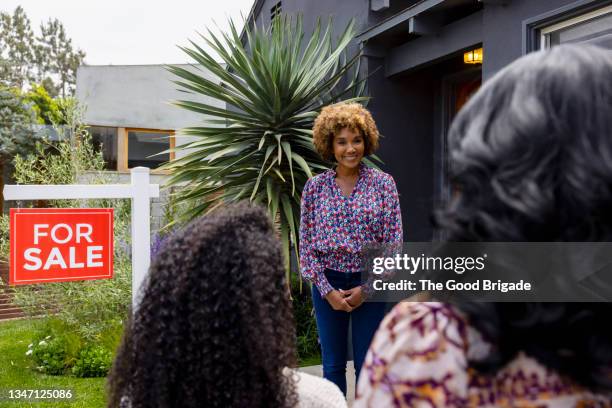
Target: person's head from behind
(531, 156)
(215, 326)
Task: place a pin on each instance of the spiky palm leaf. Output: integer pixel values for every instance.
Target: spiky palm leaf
(260, 146)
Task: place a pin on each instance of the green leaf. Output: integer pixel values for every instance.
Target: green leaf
(285, 244)
(302, 163)
(291, 221)
(261, 171)
(287, 149)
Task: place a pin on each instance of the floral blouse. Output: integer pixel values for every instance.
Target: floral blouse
(334, 227)
(419, 358)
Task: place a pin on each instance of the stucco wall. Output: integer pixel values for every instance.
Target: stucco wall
(137, 96)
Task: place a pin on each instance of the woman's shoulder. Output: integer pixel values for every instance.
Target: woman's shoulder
(424, 322)
(421, 350)
(439, 323)
(379, 176)
(316, 392)
(315, 182)
(319, 178)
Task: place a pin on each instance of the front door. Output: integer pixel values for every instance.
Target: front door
(456, 91)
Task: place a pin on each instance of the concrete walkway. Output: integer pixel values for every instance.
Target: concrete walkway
(350, 378)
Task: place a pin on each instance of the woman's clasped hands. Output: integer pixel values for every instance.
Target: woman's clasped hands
(345, 299)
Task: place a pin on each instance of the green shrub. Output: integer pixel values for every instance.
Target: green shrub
(110, 337)
(49, 355)
(93, 361)
(58, 350)
(61, 162)
(54, 347)
(4, 237)
(306, 325)
(56, 328)
(47, 109)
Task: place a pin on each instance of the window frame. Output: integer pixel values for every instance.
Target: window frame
(276, 11)
(532, 38)
(123, 151)
(546, 31)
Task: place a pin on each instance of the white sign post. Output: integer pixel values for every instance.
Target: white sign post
(139, 191)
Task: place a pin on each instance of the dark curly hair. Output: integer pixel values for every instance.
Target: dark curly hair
(532, 161)
(215, 324)
(334, 118)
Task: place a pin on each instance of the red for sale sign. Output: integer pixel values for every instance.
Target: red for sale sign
(60, 244)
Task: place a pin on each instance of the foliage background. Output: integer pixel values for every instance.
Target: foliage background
(46, 57)
(83, 320)
(16, 132)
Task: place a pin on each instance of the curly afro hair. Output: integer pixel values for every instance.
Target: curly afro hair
(531, 161)
(334, 118)
(215, 325)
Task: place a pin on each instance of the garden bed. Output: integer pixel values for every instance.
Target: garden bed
(17, 371)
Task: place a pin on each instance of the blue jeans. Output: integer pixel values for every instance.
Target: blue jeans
(333, 328)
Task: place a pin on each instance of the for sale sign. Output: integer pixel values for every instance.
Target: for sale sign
(60, 244)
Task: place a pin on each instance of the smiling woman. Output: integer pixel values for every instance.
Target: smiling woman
(343, 209)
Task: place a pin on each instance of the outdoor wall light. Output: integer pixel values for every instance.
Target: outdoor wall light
(473, 56)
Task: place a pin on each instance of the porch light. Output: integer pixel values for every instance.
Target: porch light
(473, 56)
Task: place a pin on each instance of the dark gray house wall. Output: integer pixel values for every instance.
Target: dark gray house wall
(502, 28)
(413, 54)
(340, 10)
(399, 106)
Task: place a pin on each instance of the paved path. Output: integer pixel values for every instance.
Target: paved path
(350, 378)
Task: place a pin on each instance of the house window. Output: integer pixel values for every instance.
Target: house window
(124, 148)
(276, 11)
(144, 146)
(594, 26)
(105, 139)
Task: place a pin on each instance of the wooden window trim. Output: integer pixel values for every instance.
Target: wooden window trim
(122, 145)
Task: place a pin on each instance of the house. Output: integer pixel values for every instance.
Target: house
(424, 58)
(129, 113)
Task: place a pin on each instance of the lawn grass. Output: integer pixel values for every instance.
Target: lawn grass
(16, 372)
(310, 361)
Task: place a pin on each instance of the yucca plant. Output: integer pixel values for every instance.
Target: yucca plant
(259, 147)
